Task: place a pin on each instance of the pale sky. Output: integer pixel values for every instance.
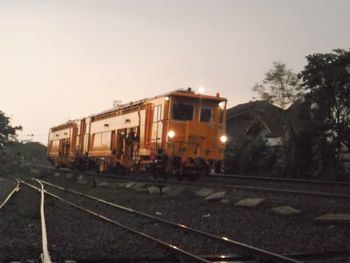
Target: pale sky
(68, 59)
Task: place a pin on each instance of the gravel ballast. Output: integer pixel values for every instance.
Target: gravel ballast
(71, 232)
(20, 227)
(258, 226)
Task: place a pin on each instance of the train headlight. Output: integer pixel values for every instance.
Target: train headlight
(223, 138)
(222, 105)
(201, 90)
(171, 134)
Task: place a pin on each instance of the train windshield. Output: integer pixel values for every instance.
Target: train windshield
(182, 112)
(206, 114)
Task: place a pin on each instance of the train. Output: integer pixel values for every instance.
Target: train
(180, 133)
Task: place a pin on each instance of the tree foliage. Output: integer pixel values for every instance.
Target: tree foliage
(317, 126)
(29, 152)
(7, 132)
(326, 80)
(250, 156)
(280, 86)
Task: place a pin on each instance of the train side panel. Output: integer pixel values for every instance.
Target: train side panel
(115, 140)
(62, 144)
(186, 127)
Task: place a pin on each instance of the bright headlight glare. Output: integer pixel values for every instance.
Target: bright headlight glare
(171, 134)
(222, 105)
(166, 98)
(201, 90)
(223, 138)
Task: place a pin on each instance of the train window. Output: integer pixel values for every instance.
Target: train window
(97, 140)
(182, 112)
(206, 115)
(106, 139)
(102, 140)
(157, 113)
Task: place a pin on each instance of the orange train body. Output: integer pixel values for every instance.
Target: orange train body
(189, 129)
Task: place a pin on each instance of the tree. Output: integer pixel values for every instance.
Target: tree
(7, 132)
(280, 86)
(326, 80)
(28, 152)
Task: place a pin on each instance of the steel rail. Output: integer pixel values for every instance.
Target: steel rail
(320, 255)
(244, 249)
(249, 188)
(45, 256)
(16, 189)
(222, 186)
(238, 187)
(225, 176)
(168, 246)
(277, 190)
(279, 179)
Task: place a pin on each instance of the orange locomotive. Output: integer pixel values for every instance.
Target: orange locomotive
(181, 132)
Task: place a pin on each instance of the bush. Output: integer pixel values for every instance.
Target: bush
(250, 157)
(18, 155)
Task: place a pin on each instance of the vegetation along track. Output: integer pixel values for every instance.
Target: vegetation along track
(269, 187)
(160, 227)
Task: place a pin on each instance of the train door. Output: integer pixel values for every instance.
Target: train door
(64, 148)
(127, 145)
(131, 146)
(157, 126)
(120, 144)
(113, 143)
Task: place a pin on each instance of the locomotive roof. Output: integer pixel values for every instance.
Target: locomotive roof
(180, 93)
(65, 125)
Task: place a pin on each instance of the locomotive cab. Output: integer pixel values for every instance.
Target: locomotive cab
(195, 140)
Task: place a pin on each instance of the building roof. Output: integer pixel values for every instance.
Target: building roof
(270, 116)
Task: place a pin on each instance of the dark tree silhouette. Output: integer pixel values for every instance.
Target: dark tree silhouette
(7, 132)
(280, 86)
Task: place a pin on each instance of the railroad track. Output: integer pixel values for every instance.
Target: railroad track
(45, 257)
(244, 251)
(278, 189)
(8, 197)
(244, 177)
(170, 247)
(280, 179)
(245, 254)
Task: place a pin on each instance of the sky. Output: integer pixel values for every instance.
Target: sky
(68, 59)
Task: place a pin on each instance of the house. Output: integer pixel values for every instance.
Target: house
(256, 119)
